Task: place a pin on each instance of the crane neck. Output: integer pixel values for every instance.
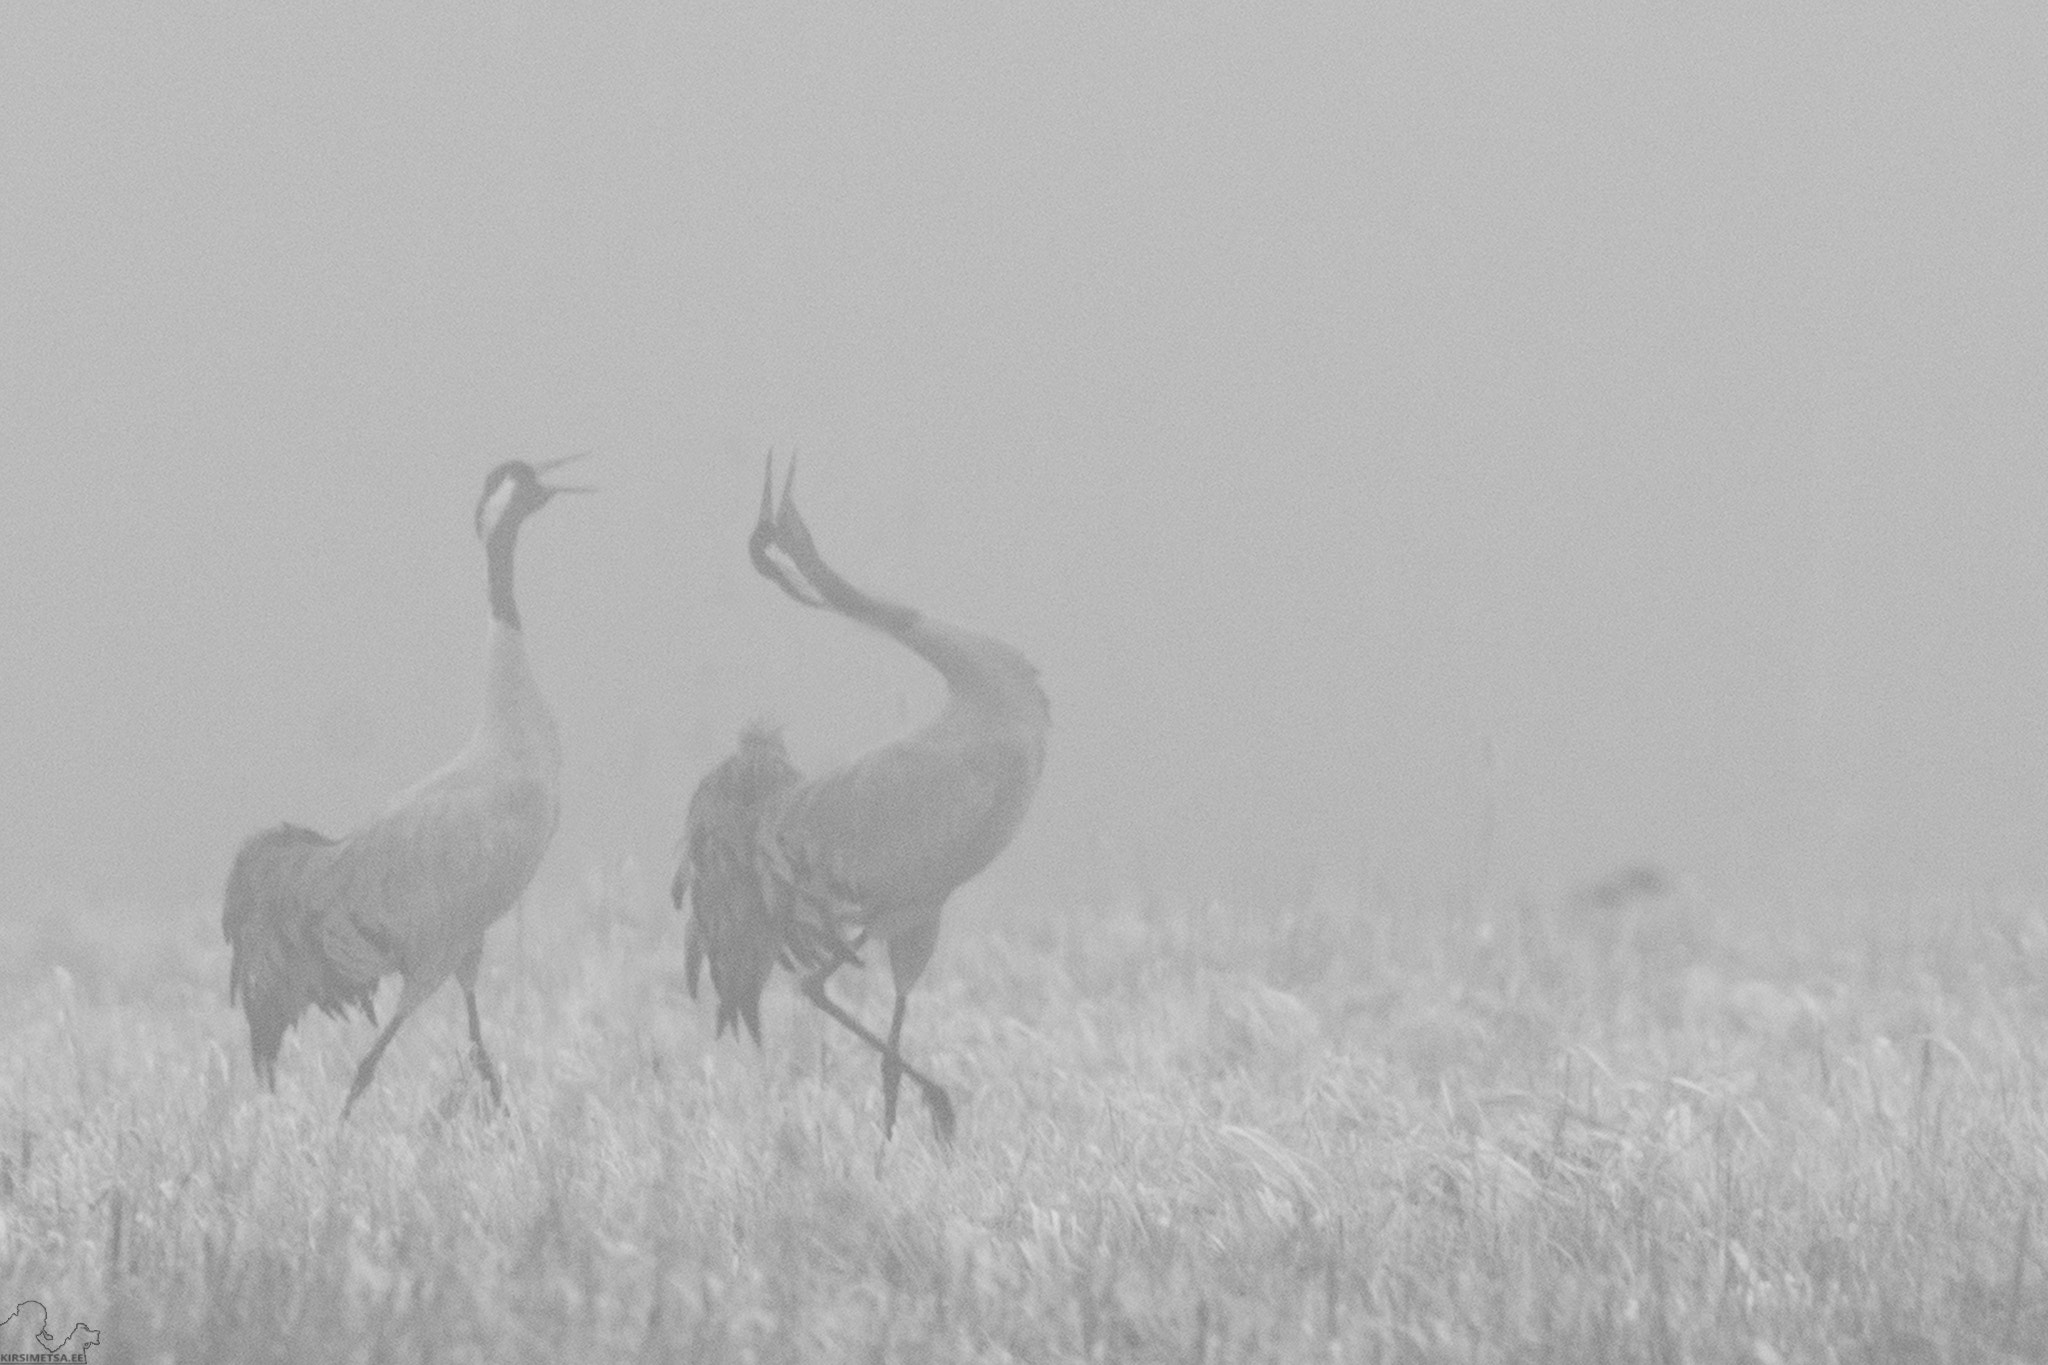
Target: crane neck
(516, 722)
(986, 677)
(498, 556)
(991, 683)
(930, 640)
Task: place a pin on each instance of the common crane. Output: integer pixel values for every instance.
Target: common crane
(320, 921)
(805, 873)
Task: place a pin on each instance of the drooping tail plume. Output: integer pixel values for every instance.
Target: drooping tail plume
(271, 917)
(730, 920)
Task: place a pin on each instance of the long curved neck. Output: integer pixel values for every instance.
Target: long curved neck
(498, 555)
(986, 676)
(982, 673)
(911, 628)
(516, 720)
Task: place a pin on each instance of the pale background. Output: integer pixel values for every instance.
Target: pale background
(1420, 445)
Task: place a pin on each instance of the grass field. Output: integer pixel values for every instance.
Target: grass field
(1665, 1131)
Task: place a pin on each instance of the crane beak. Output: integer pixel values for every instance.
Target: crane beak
(802, 572)
(769, 528)
(554, 488)
(790, 531)
(764, 524)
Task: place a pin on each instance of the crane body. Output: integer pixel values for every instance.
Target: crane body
(872, 849)
(319, 922)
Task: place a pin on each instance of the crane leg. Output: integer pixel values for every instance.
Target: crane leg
(935, 1096)
(478, 1056)
(482, 1059)
(892, 1066)
(368, 1067)
(909, 951)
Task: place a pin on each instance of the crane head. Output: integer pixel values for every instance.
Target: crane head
(807, 577)
(783, 529)
(514, 491)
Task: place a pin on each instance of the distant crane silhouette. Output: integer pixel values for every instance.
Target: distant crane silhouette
(803, 873)
(320, 921)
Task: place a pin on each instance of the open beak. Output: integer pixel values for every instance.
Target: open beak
(553, 488)
(766, 528)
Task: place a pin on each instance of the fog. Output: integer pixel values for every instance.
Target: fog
(1422, 448)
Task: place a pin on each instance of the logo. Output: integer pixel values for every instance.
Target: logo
(25, 1335)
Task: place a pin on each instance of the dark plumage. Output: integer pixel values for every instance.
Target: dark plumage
(280, 966)
(727, 910)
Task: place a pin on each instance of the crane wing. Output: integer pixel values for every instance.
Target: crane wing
(418, 888)
(902, 827)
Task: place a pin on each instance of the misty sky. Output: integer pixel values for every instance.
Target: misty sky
(1625, 420)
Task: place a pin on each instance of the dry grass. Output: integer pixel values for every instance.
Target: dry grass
(1189, 1134)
